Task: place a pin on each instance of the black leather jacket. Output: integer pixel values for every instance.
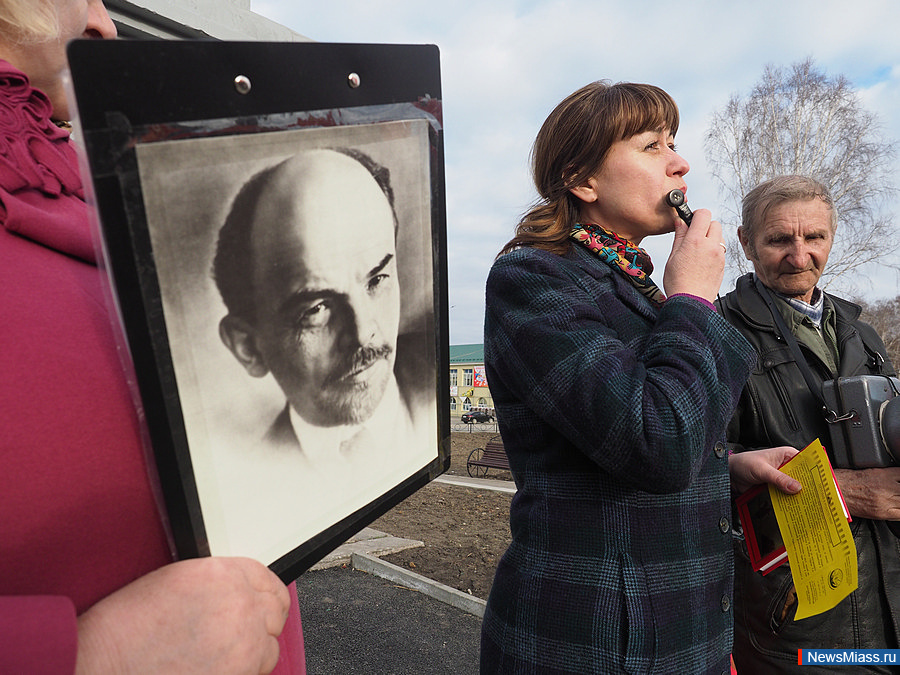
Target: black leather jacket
(777, 408)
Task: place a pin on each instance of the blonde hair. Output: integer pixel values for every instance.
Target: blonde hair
(28, 21)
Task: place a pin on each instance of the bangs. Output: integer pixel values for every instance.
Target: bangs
(642, 107)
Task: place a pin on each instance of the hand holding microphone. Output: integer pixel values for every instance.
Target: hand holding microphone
(697, 262)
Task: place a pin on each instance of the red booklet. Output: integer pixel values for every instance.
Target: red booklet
(761, 532)
(764, 543)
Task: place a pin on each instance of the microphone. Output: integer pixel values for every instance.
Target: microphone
(675, 199)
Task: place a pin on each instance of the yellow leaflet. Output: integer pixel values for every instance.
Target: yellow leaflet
(816, 534)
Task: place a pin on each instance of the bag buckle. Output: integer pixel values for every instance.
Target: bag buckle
(833, 418)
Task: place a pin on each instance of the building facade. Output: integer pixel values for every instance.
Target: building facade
(195, 19)
(468, 382)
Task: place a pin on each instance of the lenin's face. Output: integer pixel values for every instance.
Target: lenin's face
(325, 285)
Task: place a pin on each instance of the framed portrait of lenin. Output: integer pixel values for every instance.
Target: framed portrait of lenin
(272, 218)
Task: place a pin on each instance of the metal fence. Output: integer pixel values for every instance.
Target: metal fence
(475, 427)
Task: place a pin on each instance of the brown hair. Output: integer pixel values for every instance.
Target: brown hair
(776, 191)
(570, 149)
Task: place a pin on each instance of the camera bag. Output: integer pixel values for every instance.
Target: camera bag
(864, 431)
(858, 425)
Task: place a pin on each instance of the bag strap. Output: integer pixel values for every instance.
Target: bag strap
(831, 416)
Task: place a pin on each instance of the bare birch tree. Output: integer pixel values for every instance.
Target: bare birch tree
(884, 316)
(797, 120)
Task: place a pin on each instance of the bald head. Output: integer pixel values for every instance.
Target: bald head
(315, 206)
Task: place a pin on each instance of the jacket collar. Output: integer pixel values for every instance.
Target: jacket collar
(748, 303)
(626, 292)
(747, 300)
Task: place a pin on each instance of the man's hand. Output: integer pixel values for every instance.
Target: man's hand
(753, 467)
(206, 615)
(871, 493)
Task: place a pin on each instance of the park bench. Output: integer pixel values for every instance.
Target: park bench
(491, 456)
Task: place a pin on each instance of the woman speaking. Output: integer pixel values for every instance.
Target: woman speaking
(612, 400)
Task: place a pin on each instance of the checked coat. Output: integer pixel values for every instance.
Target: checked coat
(612, 411)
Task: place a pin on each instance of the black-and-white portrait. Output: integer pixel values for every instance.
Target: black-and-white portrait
(296, 277)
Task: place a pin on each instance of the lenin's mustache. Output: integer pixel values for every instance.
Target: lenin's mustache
(361, 359)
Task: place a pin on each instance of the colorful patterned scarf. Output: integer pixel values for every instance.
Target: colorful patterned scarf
(622, 255)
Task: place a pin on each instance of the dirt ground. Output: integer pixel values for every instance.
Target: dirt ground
(465, 530)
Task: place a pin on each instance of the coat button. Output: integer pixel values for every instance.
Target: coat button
(724, 525)
(720, 449)
(726, 603)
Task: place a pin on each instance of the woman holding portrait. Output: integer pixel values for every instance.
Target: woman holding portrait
(88, 583)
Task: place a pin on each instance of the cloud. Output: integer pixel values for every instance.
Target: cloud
(506, 64)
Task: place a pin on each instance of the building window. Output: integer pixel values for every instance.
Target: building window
(453, 374)
(452, 404)
(468, 377)
(467, 403)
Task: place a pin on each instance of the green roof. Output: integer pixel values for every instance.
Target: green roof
(467, 353)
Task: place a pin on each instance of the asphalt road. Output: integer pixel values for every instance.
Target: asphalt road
(355, 622)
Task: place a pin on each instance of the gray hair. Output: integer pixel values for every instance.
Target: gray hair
(781, 190)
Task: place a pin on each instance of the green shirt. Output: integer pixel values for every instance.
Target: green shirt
(821, 341)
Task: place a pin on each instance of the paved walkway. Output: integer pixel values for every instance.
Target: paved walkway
(362, 614)
(366, 542)
(358, 623)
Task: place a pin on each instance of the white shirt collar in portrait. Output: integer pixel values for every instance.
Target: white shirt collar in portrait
(353, 444)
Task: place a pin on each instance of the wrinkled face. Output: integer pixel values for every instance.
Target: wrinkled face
(45, 62)
(326, 289)
(790, 249)
(628, 195)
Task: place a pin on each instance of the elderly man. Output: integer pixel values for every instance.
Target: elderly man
(307, 267)
(788, 227)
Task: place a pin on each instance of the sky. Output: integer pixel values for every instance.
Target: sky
(505, 64)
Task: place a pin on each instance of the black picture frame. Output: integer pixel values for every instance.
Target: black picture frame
(171, 130)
